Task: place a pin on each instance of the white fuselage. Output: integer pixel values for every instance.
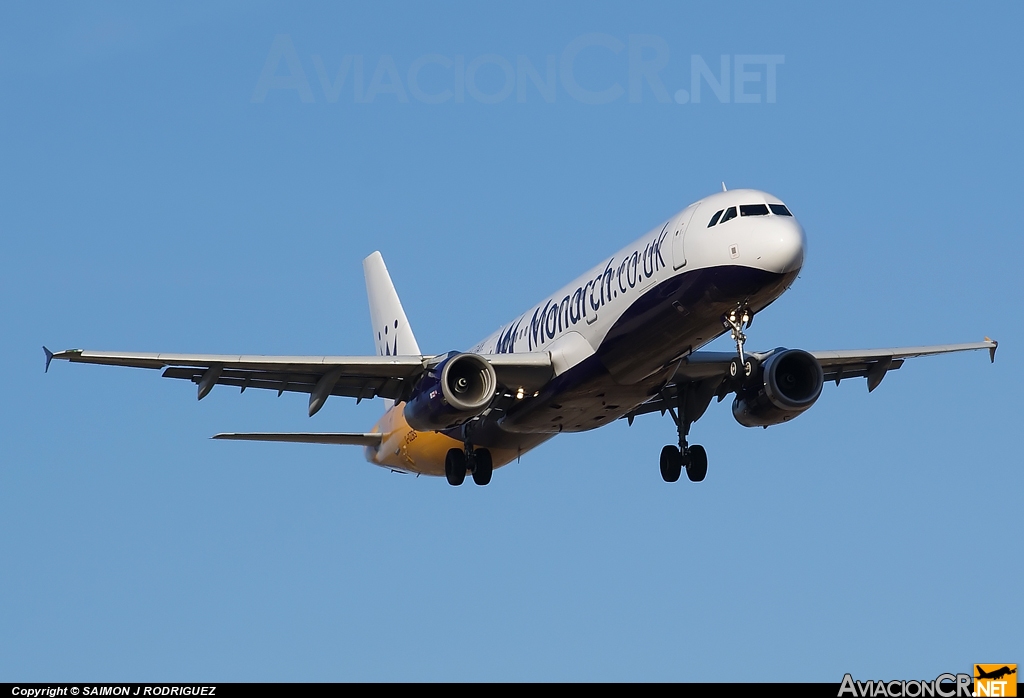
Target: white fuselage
(573, 322)
(616, 334)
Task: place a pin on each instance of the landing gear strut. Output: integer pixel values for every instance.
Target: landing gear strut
(691, 401)
(476, 461)
(674, 458)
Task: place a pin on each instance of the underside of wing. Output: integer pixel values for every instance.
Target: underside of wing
(837, 365)
(875, 363)
(360, 377)
(320, 376)
(704, 374)
(306, 438)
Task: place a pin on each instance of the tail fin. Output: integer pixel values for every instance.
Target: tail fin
(391, 332)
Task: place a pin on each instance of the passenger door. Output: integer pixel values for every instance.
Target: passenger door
(678, 253)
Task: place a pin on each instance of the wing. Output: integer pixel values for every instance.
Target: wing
(875, 363)
(701, 375)
(360, 377)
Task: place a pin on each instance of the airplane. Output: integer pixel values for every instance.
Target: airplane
(620, 341)
(997, 674)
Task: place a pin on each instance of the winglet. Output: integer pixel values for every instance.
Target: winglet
(49, 358)
(992, 349)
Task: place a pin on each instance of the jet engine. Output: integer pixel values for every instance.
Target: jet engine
(786, 385)
(452, 393)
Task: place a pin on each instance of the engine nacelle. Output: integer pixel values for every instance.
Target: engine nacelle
(786, 385)
(456, 390)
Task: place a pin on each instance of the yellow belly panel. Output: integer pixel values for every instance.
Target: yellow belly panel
(404, 448)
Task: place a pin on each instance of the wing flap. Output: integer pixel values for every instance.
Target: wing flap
(359, 387)
(855, 370)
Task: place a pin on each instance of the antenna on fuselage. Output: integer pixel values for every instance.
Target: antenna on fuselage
(723, 187)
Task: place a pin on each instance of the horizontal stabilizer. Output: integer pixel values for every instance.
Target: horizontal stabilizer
(307, 438)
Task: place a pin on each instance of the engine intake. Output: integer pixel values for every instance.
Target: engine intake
(786, 385)
(456, 390)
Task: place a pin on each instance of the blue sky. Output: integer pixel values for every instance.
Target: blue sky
(152, 197)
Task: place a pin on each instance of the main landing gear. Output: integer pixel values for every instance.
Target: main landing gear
(476, 461)
(675, 458)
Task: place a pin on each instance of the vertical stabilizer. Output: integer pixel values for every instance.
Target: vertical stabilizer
(391, 332)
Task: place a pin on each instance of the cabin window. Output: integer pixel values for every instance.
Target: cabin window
(714, 218)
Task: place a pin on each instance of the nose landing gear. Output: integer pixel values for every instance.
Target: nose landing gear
(742, 366)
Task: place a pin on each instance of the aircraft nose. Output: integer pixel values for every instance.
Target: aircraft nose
(785, 243)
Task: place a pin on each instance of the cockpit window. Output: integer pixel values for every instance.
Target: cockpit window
(730, 213)
(714, 219)
(780, 210)
(754, 210)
